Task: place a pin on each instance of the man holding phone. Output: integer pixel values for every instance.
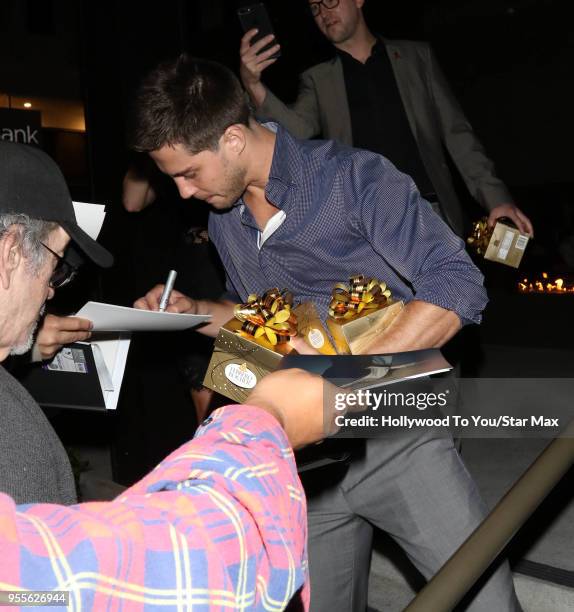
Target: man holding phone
(386, 96)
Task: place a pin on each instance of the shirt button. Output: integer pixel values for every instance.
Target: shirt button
(207, 421)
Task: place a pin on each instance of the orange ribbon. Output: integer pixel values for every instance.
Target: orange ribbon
(360, 295)
(268, 315)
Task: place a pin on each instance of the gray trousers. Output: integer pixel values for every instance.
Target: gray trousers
(415, 487)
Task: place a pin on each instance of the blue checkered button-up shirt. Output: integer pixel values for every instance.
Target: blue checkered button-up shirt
(347, 212)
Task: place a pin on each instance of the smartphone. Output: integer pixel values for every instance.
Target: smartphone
(256, 16)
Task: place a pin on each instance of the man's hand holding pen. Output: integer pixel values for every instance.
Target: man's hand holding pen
(220, 312)
(164, 298)
(177, 301)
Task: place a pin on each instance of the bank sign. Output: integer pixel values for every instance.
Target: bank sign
(21, 126)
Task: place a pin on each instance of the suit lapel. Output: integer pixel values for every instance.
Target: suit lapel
(337, 109)
(401, 67)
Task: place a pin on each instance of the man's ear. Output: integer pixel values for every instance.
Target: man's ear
(10, 256)
(234, 139)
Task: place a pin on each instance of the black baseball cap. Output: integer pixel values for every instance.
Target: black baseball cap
(31, 183)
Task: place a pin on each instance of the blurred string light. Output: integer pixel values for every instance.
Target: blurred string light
(544, 285)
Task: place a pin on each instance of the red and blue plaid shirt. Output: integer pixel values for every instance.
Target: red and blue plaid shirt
(218, 525)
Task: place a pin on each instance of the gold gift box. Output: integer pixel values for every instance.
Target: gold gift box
(355, 335)
(507, 245)
(310, 327)
(239, 361)
(504, 243)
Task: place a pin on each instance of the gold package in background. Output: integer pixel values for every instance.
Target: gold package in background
(503, 243)
(507, 245)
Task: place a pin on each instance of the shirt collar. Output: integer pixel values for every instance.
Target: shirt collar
(377, 49)
(285, 171)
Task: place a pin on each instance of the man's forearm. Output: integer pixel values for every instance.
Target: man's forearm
(221, 312)
(166, 522)
(137, 191)
(419, 325)
(257, 93)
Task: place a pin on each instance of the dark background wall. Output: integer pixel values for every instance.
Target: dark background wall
(509, 61)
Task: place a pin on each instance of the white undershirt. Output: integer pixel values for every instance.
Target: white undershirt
(272, 225)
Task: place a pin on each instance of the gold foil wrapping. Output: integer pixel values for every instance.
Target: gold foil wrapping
(310, 327)
(503, 243)
(360, 311)
(268, 316)
(239, 361)
(252, 344)
(480, 236)
(361, 294)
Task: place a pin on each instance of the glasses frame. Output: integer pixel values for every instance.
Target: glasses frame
(63, 267)
(315, 7)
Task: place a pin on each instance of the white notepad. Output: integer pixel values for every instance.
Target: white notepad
(109, 317)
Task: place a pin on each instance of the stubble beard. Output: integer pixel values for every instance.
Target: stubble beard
(341, 32)
(234, 185)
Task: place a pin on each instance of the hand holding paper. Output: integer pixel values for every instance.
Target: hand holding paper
(57, 331)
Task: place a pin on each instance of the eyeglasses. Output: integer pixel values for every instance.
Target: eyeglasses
(63, 273)
(316, 6)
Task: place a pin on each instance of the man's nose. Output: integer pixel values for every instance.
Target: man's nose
(185, 187)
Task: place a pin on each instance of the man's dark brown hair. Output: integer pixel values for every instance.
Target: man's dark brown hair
(188, 101)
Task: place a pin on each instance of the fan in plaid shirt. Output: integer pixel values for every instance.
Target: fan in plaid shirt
(219, 524)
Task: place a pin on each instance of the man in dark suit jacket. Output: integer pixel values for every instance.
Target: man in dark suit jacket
(388, 96)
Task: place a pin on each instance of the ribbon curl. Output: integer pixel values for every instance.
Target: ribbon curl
(268, 315)
(481, 235)
(360, 295)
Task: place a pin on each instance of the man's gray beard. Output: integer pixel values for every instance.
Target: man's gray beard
(20, 349)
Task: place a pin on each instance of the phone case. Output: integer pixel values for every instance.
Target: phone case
(256, 16)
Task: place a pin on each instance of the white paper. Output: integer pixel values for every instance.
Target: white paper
(109, 317)
(110, 357)
(115, 353)
(90, 217)
(103, 372)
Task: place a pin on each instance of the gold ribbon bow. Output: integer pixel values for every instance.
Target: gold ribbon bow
(480, 237)
(361, 294)
(268, 315)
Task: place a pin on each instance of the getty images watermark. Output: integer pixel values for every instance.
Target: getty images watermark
(467, 407)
